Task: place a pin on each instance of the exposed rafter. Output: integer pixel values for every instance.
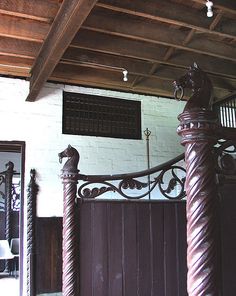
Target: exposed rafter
(70, 17)
(157, 34)
(89, 42)
(163, 11)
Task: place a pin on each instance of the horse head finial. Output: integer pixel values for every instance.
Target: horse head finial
(9, 166)
(71, 164)
(196, 80)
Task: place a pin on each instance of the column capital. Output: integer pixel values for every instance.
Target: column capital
(198, 125)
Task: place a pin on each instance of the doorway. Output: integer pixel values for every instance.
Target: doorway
(12, 160)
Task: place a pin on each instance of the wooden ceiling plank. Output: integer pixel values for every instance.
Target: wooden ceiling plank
(20, 48)
(23, 29)
(158, 34)
(26, 16)
(14, 72)
(149, 52)
(171, 13)
(70, 17)
(41, 10)
(17, 62)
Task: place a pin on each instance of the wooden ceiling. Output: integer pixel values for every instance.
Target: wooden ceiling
(89, 42)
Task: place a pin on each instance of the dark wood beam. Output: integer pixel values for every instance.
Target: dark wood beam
(215, 21)
(170, 13)
(157, 33)
(69, 19)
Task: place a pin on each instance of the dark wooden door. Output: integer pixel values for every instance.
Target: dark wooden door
(132, 249)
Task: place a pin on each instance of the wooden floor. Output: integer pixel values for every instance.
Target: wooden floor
(9, 285)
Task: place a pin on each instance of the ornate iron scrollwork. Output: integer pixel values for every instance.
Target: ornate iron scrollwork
(168, 181)
(225, 152)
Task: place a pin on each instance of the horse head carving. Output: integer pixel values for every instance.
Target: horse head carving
(196, 80)
(9, 166)
(71, 164)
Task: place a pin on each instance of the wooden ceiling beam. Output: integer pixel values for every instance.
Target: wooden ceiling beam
(139, 50)
(170, 13)
(40, 10)
(151, 32)
(215, 21)
(69, 19)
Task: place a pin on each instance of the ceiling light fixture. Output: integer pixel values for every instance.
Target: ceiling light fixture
(209, 5)
(124, 71)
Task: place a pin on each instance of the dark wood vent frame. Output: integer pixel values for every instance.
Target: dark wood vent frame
(101, 116)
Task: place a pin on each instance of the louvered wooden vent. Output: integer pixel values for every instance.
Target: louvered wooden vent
(101, 116)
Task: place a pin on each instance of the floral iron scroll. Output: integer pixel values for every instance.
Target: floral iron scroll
(167, 177)
(225, 155)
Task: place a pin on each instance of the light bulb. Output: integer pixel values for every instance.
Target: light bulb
(209, 5)
(210, 13)
(125, 73)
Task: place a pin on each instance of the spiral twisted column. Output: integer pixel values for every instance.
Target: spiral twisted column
(8, 180)
(8, 199)
(33, 189)
(198, 131)
(69, 246)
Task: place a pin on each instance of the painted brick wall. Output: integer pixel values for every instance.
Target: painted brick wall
(39, 124)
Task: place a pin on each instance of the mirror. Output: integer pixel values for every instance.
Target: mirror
(11, 216)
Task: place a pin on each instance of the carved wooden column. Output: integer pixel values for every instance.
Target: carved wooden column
(8, 181)
(8, 199)
(198, 131)
(69, 246)
(33, 189)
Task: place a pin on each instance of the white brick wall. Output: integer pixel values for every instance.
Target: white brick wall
(39, 124)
